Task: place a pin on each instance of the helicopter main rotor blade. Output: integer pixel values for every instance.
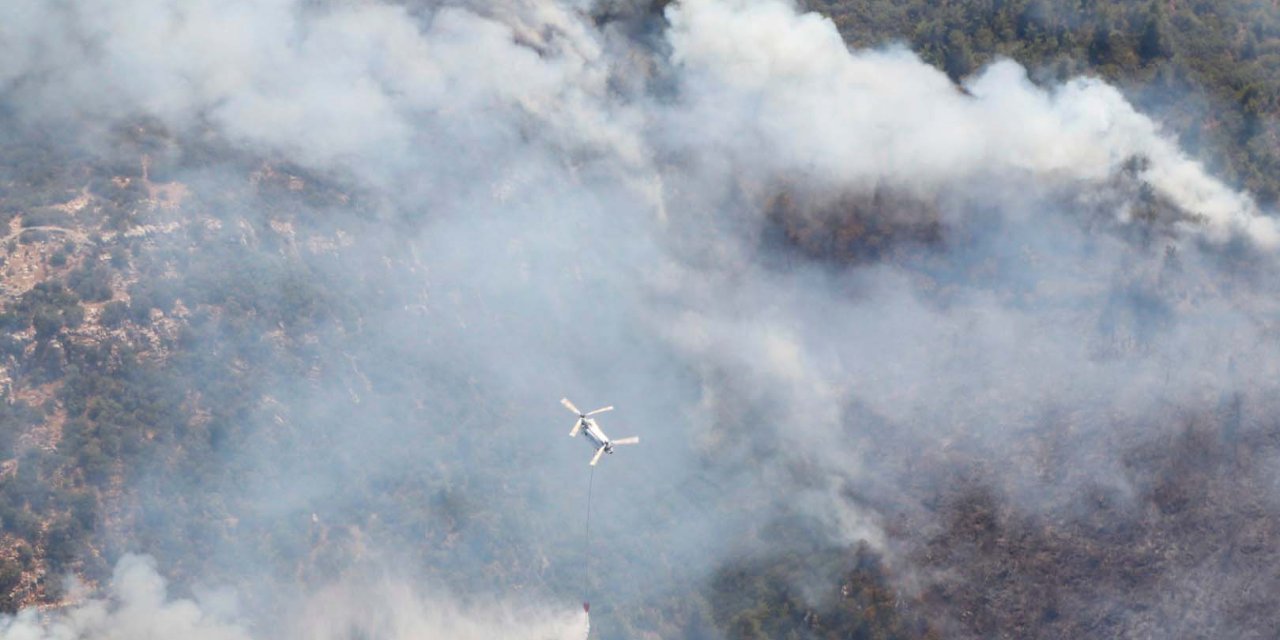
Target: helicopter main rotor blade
(596, 457)
(631, 440)
(569, 405)
(577, 426)
(601, 410)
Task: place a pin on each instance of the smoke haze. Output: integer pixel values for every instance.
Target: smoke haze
(822, 285)
(140, 608)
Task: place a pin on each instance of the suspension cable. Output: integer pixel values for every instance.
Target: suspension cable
(586, 582)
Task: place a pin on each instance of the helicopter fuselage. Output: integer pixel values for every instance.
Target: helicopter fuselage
(596, 437)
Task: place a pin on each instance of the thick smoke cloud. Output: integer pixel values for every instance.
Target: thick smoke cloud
(780, 92)
(138, 606)
(562, 207)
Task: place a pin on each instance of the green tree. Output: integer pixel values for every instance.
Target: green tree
(1153, 43)
(959, 56)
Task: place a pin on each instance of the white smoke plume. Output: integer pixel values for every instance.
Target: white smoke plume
(368, 87)
(137, 605)
(780, 92)
(396, 611)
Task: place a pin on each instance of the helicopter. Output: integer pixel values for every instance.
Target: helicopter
(599, 441)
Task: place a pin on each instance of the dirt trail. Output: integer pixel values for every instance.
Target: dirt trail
(75, 235)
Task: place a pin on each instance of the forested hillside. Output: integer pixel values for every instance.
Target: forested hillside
(289, 312)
